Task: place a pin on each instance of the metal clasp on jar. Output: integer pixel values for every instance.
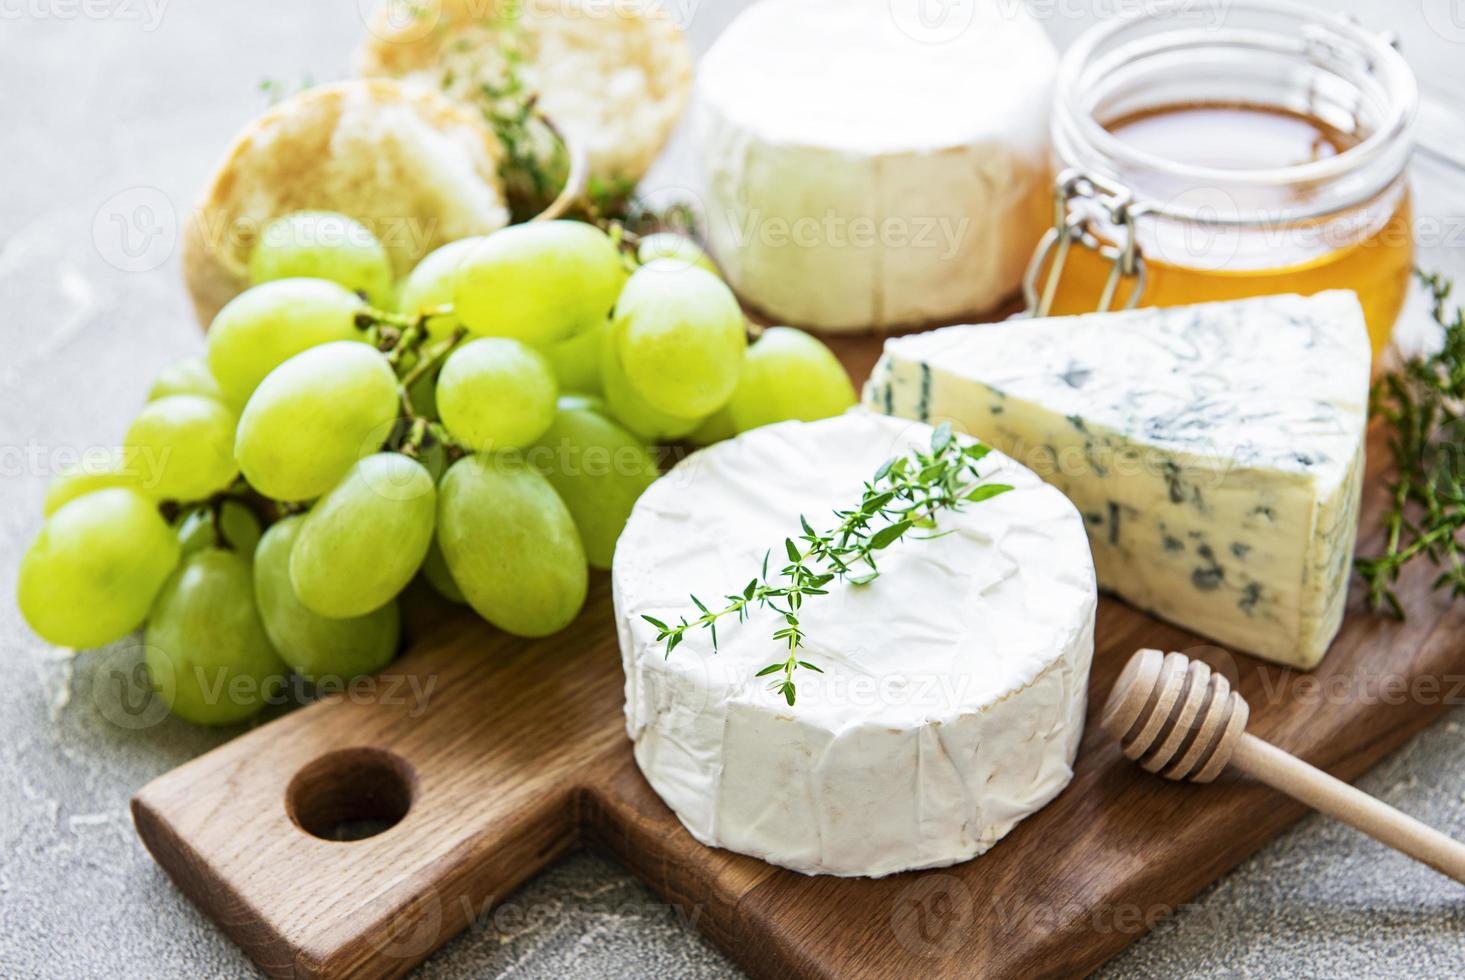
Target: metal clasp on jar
(1079, 199)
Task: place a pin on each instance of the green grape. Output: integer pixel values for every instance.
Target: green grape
(314, 417)
(312, 645)
(670, 245)
(576, 399)
(496, 394)
(264, 327)
(207, 651)
(187, 444)
(540, 283)
(97, 470)
(631, 411)
(365, 539)
(511, 545)
(430, 285)
(788, 374)
(435, 570)
(186, 377)
(423, 392)
(599, 470)
(680, 337)
(576, 361)
(434, 456)
(92, 572)
(423, 395)
(719, 426)
(323, 245)
(239, 524)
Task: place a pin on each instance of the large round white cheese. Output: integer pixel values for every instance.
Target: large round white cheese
(875, 163)
(954, 685)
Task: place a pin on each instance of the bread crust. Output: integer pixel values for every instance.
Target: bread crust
(580, 57)
(280, 163)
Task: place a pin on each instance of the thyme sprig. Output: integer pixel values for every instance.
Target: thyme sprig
(536, 160)
(906, 494)
(536, 163)
(1421, 403)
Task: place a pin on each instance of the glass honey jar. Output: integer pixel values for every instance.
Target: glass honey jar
(1204, 161)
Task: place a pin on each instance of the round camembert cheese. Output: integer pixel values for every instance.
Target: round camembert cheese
(953, 688)
(869, 164)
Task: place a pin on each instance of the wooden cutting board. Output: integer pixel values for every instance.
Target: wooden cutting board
(497, 755)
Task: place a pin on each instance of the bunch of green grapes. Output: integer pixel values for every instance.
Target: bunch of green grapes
(273, 499)
(671, 360)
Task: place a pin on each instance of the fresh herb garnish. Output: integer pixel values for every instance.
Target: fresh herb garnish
(907, 493)
(1421, 402)
(537, 159)
(536, 163)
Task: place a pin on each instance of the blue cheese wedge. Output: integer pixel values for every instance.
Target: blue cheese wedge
(952, 693)
(1215, 451)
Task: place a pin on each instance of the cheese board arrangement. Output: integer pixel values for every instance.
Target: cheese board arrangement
(842, 633)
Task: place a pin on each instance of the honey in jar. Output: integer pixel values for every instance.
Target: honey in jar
(1267, 156)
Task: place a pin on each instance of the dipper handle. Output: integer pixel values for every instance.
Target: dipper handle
(1175, 717)
(1285, 772)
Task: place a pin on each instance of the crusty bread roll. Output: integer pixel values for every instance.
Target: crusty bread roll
(615, 76)
(415, 167)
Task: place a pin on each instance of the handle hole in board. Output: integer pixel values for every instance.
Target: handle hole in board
(351, 794)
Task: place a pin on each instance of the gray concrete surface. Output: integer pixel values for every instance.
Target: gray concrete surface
(111, 112)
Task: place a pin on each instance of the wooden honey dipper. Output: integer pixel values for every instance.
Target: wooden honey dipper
(1178, 718)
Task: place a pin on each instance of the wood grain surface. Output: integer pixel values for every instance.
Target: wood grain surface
(513, 752)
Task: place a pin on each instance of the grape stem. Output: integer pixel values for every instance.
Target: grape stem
(402, 337)
(396, 334)
(373, 317)
(216, 515)
(413, 335)
(240, 492)
(412, 445)
(383, 328)
(625, 240)
(433, 359)
(423, 428)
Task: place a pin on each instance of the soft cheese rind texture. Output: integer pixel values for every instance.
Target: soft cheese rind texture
(954, 687)
(1215, 451)
(861, 173)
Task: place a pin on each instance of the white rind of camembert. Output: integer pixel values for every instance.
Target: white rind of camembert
(954, 685)
(1215, 451)
(868, 164)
